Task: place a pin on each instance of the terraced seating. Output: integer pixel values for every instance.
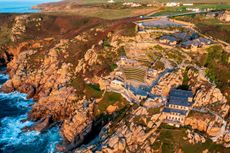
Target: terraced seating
(137, 74)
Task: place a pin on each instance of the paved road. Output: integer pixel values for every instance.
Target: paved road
(178, 14)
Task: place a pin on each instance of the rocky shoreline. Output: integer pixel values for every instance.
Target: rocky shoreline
(35, 67)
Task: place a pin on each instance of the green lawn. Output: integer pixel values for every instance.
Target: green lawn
(206, 26)
(171, 140)
(93, 90)
(149, 1)
(182, 9)
(110, 98)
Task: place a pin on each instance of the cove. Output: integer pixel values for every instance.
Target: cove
(14, 108)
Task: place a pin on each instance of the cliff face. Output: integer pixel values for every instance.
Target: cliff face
(50, 64)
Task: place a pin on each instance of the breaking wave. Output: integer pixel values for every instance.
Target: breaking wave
(13, 110)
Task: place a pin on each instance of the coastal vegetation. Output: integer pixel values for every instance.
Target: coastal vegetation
(206, 25)
(218, 67)
(110, 99)
(172, 140)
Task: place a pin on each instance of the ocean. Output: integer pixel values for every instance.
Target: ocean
(14, 108)
(20, 6)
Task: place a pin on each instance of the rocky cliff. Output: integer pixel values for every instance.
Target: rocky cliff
(52, 64)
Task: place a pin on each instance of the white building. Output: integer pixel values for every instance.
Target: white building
(117, 84)
(131, 4)
(193, 9)
(188, 4)
(110, 1)
(172, 4)
(178, 107)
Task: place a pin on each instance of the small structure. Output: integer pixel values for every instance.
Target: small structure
(188, 4)
(170, 40)
(154, 24)
(110, 1)
(139, 93)
(117, 84)
(193, 9)
(131, 4)
(195, 43)
(128, 62)
(172, 4)
(183, 36)
(178, 106)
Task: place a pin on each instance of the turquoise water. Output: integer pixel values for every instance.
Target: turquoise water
(20, 6)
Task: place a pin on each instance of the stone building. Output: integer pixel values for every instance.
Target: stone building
(117, 84)
(178, 106)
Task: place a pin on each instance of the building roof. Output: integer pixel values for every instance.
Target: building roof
(186, 35)
(191, 42)
(170, 38)
(180, 97)
(169, 110)
(182, 36)
(160, 23)
(204, 40)
(179, 101)
(138, 91)
(181, 93)
(116, 81)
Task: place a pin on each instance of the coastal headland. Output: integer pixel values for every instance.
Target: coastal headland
(108, 74)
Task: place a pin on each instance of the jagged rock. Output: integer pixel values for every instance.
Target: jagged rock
(205, 151)
(197, 123)
(227, 137)
(7, 87)
(110, 109)
(194, 138)
(29, 89)
(225, 16)
(167, 82)
(213, 131)
(208, 96)
(43, 124)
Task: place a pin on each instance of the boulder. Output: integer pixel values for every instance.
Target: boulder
(227, 137)
(225, 16)
(43, 124)
(7, 87)
(111, 109)
(29, 89)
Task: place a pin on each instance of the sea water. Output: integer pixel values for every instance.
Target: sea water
(14, 107)
(20, 6)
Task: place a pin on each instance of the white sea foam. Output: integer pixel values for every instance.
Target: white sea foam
(11, 134)
(16, 99)
(4, 76)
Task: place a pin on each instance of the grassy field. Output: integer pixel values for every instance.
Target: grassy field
(218, 68)
(93, 90)
(149, 1)
(195, 1)
(105, 10)
(171, 140)
(206, 26)
(182, 9)
(99, 8)
(216, 60)
(110, 98)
